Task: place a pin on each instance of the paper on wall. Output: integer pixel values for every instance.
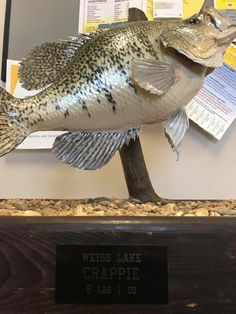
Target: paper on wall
(177, 8)
(168, 8)
(227, 8)
(106, 14)
(230, 56)
(214, 107)
(191, 7)
(37, 140)
(225, 5)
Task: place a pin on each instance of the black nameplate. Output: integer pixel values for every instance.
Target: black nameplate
(111, 274)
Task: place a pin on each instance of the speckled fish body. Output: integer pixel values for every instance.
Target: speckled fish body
(103, 89)
(96, 90)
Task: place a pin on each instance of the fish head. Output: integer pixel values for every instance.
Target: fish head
(203, 38)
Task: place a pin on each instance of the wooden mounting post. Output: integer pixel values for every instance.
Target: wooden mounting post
(136, 175)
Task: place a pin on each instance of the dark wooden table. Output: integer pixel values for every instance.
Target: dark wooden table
(201, 261)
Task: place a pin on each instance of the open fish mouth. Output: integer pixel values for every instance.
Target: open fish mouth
(203, 38)
(222, 23)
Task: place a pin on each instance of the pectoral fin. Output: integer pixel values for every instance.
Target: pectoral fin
(155, 76)
(175, 129)
(44, 63)
(91, 150)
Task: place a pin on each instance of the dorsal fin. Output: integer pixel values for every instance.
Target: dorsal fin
(43, 64)
(135, 14)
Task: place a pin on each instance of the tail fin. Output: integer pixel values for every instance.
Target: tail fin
(12, 132)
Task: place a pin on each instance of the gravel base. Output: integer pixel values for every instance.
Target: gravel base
(115, 207)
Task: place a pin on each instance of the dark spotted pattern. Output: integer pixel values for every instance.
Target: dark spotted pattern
(42, 65)
(66, 114)
(87, 79)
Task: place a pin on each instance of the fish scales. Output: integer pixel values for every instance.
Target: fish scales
(97, 83)
(103, 88)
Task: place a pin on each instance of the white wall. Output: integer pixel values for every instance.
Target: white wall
(206, 168)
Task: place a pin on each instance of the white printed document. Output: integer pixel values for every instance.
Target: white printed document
(168, 8)
(106, 14)
(214, 107)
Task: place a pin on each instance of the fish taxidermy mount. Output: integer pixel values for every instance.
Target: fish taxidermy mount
(102, 88)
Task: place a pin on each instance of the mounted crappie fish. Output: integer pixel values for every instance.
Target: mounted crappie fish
(103, 88)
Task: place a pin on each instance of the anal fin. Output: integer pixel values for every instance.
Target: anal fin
(91, 150)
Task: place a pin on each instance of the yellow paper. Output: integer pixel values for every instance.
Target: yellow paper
(230, 56)
(150, 10)
(14, 78)
(225, 5)
(191, 7)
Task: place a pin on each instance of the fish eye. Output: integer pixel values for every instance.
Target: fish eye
(193, 21)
